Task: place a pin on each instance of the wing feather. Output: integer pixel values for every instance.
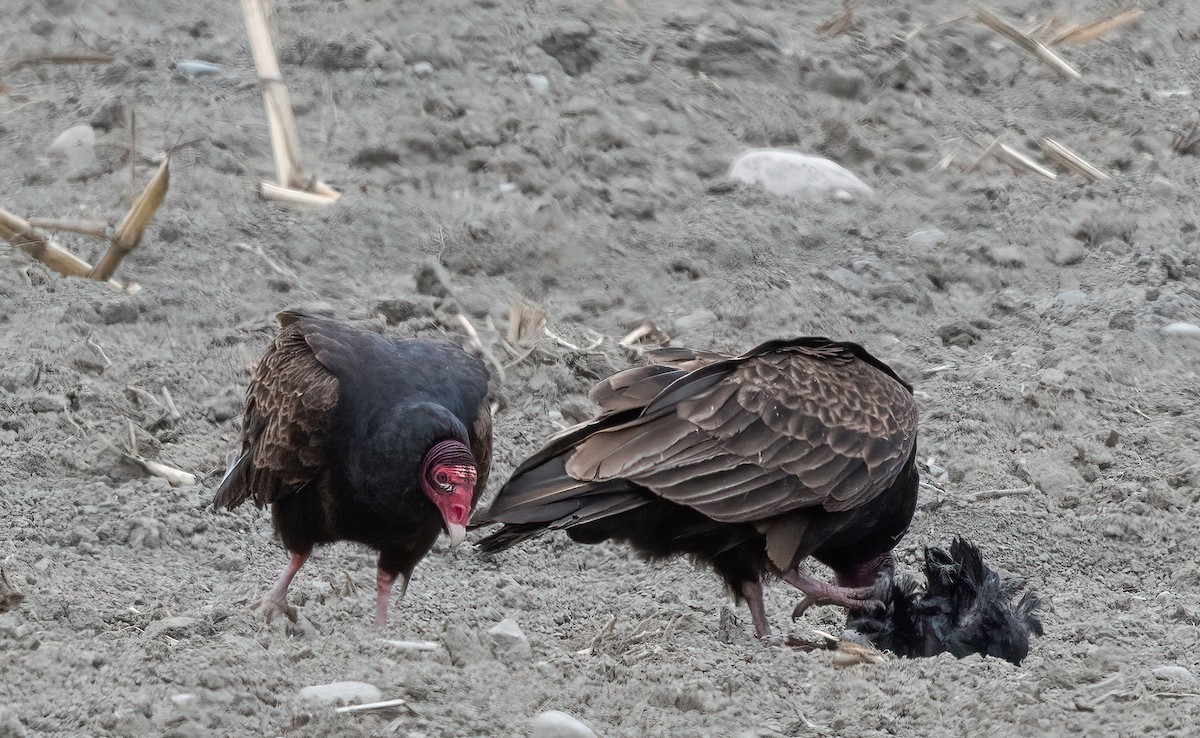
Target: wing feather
(757, 436)
(285, 429)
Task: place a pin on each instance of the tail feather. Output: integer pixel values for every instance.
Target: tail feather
(234, 488)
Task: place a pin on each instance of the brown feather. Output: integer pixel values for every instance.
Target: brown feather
(283, 441)
(721, 439)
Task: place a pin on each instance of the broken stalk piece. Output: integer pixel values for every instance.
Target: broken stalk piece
(293, 186)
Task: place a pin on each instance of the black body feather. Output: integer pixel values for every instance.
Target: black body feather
(963, 608)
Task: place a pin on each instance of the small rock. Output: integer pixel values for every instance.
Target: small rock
(570, 44)
(174, 627)
(1053, 377)
(1161, 187)
(1188, 330)
(118, 312)
(697, 322)
(86, 360)
(47, 403)
(78, 146)
(1173, 673)
(555, 724)
(1010, 255)
(1123, 320)
(347, 692)
(539, 83)
(17, 374)
(399, 309)
(184, 700)
(422, 70)
(509, 639)
(10, 599)
(795, 175)
(962, 335)
(847, 84)
(1068, 253)
(464, 645)
(371, 157)
(432, 279)
(10, 724)
(577, 409)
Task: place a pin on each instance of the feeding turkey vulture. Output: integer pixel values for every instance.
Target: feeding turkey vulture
(749, 463)
(356, 436)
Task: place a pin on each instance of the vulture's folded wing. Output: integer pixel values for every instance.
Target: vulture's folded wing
(289, 411)
(787, 426)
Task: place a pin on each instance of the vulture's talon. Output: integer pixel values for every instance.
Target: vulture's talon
(272, 607)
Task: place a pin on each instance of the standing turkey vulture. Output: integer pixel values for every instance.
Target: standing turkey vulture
(352, 435)
(749, 463)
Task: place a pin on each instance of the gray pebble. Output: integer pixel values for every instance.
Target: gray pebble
(399, 309)
(10, 724)
(511, 644)
(1068, 253)
(1162, 187)
(464, 645)
(47, 403)
(174, 627)
(1173, 673)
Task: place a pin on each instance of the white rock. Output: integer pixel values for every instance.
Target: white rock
(183, 700)
(78, 146)
(422, 69)
(351, 692)
(1173, 673)
(539, 83)
(1191, 330)
(555, 724)
(509, 639)
(796, 175)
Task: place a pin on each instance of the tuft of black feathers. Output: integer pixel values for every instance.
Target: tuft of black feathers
(964, 608)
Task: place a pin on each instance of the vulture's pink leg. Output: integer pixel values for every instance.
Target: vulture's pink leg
(274, 603)
(817, 592)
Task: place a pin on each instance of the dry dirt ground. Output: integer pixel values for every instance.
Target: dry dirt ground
(572, 154)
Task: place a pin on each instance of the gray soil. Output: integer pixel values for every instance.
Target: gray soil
(1028, 313)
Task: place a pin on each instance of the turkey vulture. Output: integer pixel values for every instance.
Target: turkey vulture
(964, 608)
(749, 463)
(356, 436)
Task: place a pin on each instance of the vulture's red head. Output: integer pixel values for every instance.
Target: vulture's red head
(448, 479)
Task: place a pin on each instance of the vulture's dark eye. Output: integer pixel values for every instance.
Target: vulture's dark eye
(442, 479)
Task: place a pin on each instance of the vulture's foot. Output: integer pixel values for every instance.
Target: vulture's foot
(273, 604)
(817, 592)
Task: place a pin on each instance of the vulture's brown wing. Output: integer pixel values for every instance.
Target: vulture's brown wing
(787, 426)
(637, 387)
(289, 411)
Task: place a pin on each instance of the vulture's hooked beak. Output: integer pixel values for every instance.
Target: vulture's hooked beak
(457, 532)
